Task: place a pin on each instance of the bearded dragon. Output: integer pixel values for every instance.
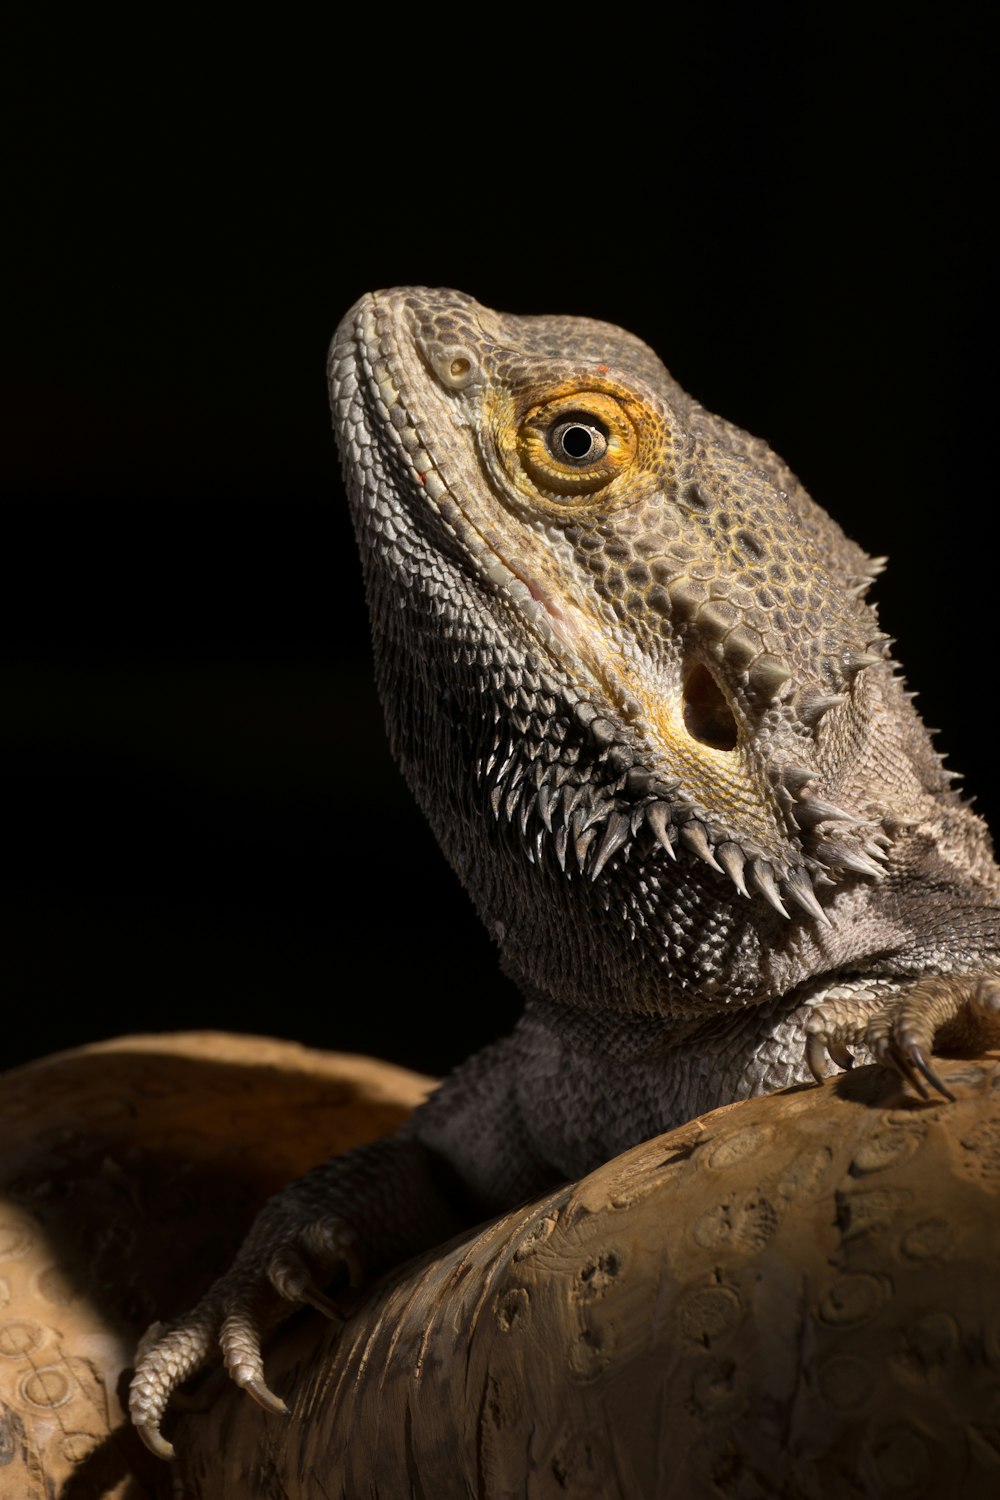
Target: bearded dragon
(630, 672)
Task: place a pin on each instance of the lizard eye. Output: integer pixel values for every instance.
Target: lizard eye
(578, 440)
(569, 449)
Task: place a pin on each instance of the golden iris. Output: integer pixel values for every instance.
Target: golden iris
(577, 443)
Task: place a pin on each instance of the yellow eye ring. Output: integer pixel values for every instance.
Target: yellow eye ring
(576, 444)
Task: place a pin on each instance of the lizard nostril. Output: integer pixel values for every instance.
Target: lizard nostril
(707, 716)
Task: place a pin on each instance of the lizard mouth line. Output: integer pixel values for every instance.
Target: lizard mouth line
(540, 596)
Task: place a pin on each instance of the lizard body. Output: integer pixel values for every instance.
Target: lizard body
(630, 671)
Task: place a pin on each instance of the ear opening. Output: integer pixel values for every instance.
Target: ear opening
(707, 715)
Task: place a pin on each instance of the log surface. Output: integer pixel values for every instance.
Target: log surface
(795, 1296)
(129, 1173)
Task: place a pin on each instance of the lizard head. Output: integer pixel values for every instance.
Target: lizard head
(628, 665)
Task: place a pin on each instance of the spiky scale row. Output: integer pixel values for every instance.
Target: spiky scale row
(597, 817)
(837, 856)
(599, 827)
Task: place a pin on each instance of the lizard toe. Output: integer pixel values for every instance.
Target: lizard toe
(901, 1035)
(244, 1325)
(293, 1279)
(903, 1028)
(166, 1356)
(821, 1044)
(835, 1026)
(950, 1012)
(318, 1251)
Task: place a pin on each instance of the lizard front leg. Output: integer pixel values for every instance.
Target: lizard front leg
(346, 1219)
(901, 1029)
(467, 1151)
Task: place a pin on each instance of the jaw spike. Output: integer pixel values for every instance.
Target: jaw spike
(533, 848)
(768, 675)
(694, 837)
(572, 795)
(638, 783)
(732, 860)
(581, 844)
(815, 705)
(799, 888)
(587, 816)
(809, 811)
(658, 818)
(796, 778)
(856, 661)
(896, 823)
(615, 834)
(841, 857)
(763, 878)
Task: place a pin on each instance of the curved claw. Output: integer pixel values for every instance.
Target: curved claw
(311, 1293)
(816, 1055)
(891, 1056)
(154, 1440)
(840, 1053)
(935, 1081)
(263, 1395)
(820, 1045)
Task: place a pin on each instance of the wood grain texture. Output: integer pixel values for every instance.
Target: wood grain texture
(796, 1295)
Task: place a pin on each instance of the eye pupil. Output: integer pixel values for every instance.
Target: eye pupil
(577, 441)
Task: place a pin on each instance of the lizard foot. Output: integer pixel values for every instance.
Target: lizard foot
(277, 1267)
(900, 1030)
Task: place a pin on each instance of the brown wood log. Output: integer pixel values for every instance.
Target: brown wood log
(795, 1296)
(129, 1173)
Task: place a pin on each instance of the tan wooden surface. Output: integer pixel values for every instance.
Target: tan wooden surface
(792, 1296)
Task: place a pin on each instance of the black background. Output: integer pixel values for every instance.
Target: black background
(792, 213)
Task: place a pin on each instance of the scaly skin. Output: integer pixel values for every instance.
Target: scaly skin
(630, 672)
